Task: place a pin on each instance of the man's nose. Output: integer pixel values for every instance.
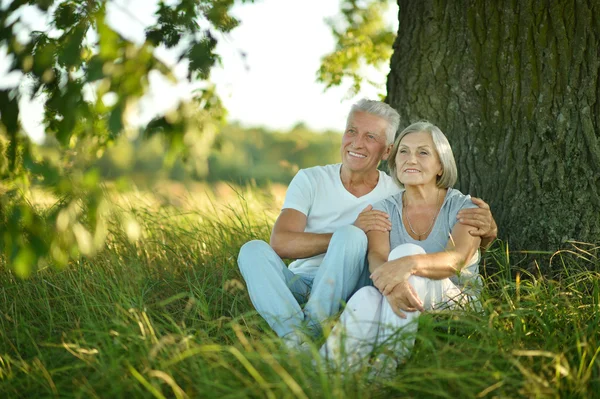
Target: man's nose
(359, 140)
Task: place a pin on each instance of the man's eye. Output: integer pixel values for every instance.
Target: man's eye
(372, 137)
(424, 153)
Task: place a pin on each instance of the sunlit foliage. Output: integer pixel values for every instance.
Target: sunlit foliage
(363, 38)
(91, 78)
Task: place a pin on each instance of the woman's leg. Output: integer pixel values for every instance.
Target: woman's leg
(352, 339)
(398, 334)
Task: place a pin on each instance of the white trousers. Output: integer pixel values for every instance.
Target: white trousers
(369, 323)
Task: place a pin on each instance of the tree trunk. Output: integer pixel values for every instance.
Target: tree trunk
(514, 86)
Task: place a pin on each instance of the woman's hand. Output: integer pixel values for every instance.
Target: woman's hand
(387, 276)
(404, 298)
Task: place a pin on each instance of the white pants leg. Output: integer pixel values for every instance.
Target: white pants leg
(353, 337)
(398, 334)
(368, 320)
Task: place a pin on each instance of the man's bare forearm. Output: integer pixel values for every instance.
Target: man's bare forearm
(298, 245)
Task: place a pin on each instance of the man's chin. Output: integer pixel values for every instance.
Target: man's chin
(359, 166)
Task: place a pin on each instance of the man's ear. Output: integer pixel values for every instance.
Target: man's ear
(387, 152)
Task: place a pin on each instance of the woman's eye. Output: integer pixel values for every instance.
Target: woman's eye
(424, 153)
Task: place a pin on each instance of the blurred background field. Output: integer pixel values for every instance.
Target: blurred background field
(238, 155)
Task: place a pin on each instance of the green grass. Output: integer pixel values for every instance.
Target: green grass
(168, 316)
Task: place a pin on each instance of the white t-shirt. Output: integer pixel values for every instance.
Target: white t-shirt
(318, 193)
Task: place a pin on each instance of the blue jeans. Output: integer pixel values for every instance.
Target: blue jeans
(277, 293)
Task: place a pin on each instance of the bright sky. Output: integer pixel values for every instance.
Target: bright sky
(276, 84)
(273, 85)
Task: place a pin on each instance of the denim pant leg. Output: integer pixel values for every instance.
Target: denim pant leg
(274, 290)
(338, 275)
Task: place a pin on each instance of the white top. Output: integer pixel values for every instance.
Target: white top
(318, 193)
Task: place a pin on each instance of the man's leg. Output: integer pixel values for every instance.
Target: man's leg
(338, 275)
(274, 290)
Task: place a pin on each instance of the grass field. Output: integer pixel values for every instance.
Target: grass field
(168, 316)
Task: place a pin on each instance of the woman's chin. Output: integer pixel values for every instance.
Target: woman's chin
(415, 182)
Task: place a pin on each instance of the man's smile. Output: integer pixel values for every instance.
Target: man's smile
(357, 155)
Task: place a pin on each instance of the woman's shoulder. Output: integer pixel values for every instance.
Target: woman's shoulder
(393, 201)
(455, 199)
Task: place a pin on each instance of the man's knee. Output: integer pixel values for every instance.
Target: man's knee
(253, 253)
(348, 244)
(350, 236)
(405, 250)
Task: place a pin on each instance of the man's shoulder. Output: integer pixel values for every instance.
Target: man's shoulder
(387, 179)
(322, 171)
(322, 168)
(387, 185)
(390, 202)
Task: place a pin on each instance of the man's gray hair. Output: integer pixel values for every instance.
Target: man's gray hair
(382, 110)
(442, 147)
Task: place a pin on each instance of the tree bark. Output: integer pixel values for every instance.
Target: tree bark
(514, 86)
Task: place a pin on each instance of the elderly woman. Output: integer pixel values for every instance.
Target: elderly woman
(426, 261)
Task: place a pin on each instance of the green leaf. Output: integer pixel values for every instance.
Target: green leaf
(9, 111)
(65, 15)
(43, 56)
(94, 69)
(115, 121)
(24, 262)
(70, 53)
(202, 57)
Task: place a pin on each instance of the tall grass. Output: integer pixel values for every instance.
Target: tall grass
(168, 316)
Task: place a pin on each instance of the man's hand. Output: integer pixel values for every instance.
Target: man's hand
(387, 276)
(404, 298)
(481, 219)
(369, 220)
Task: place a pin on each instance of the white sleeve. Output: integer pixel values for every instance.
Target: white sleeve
(300, 193)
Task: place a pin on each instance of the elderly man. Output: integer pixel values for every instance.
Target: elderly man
(323, 224)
